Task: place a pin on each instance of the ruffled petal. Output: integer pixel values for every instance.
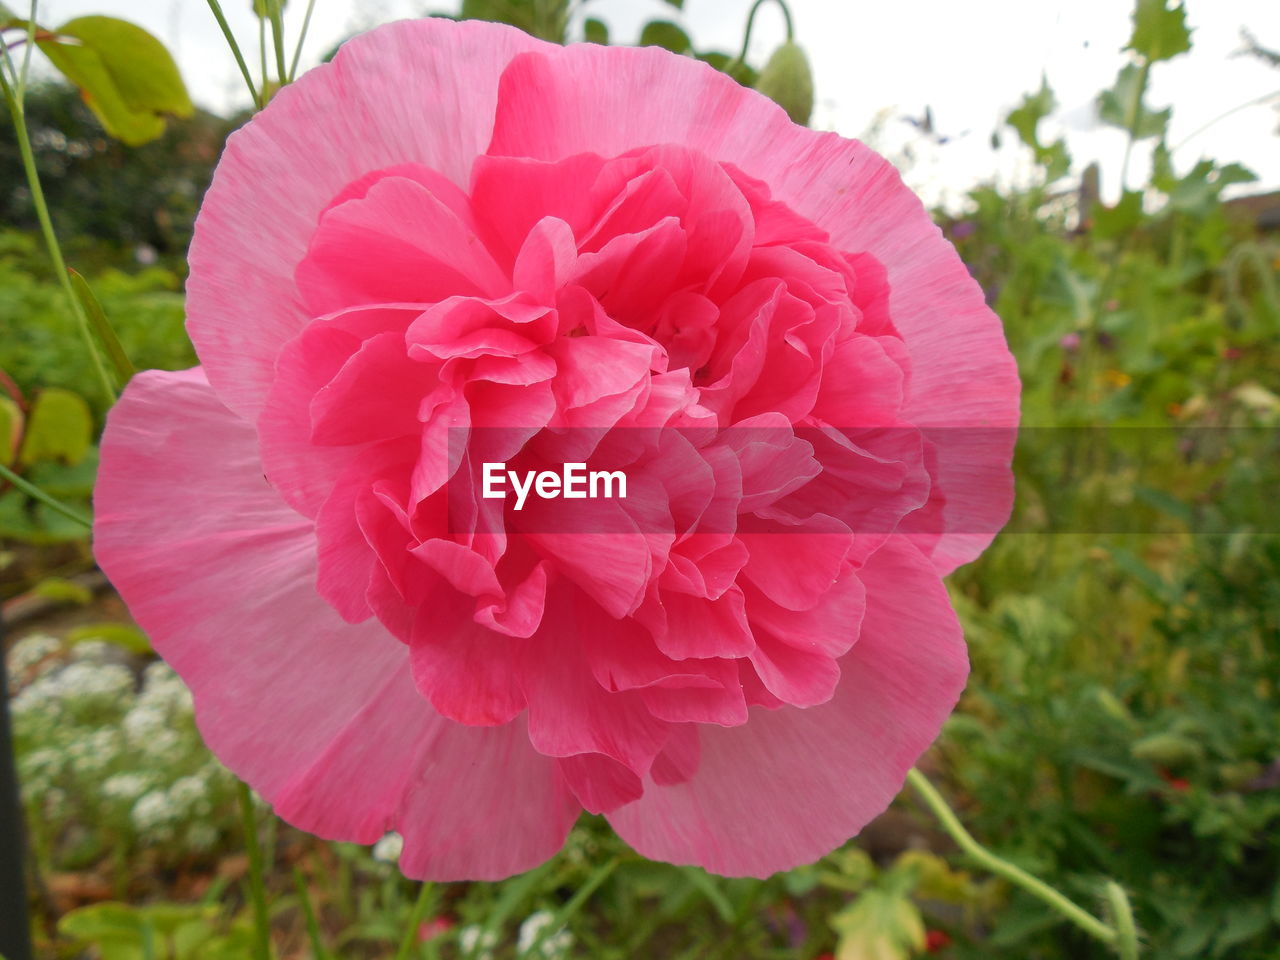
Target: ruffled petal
(319, 716)
(791, 785)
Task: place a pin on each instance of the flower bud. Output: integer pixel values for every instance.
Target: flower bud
(787, 80)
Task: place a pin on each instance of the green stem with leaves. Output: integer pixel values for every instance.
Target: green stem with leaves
(35, 493)
(14, 100)
(416, 914)
(1122, 937)
(257, 881)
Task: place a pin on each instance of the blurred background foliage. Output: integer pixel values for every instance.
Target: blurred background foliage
(1122, 719)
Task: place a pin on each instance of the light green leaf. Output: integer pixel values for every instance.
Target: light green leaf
(102, 921)
(117, 634)
(10, 430)
(879, 925)
(1034, 108)
(262, 8)
(1122, 106)
(60, 427)
(125, 75)
(1159, 31)
(787, 80)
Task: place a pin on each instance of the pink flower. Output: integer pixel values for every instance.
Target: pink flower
(456, 245)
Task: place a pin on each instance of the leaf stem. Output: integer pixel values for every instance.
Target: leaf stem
(18, 115)
(257, 884)
(35, 493)
(425, 895)
(1001, 867)
(309, 916)
(277, 38)
(302, 37)
(751, 20)
(216, 8)
(574, 904)
(1122, 918)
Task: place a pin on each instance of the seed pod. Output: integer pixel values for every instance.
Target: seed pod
(788, 82)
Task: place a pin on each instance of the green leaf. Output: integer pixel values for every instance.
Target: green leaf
(63, 590)
(1159, 31)
(1112, 222)
(262, 8)
(125, 75)
(678, 4)
(60, 427)
(880, 925)
(101, 922)
(595, 31)
(1122, 106)
(1034, 108)
(10, 430)
(787, 80)
(121, 635)
(665, 34)
(731, 65)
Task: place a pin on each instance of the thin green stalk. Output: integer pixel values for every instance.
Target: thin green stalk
(318, 950)
(1001, 867)
(216, 7)
(297, 50)
(751, 20)
(262, 57)
(425, 895)
(35, 493)
(574, 904)
(26, 54)
(1132, 109)
(18, 115)
(1122, 918)
(277, 37)
(257, 884)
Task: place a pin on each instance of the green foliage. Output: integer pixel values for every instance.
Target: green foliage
(544, 19)
(787, 80)
(59, 428)
(163, 931)
(1025, 119)
(1159, 31)
(665, 34)
(125, 75)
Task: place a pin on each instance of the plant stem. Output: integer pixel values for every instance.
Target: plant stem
(309, 916)
(216, 7)
(302, 37)
(257, 885)
(277, 37)
(1001, 867)
(1122, 918)
(751, 20)
(35, 493)
(573, 904)
(1132, 111)
(18, 115)
(418, 911)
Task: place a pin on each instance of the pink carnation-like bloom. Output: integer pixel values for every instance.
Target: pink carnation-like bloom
(456, 245)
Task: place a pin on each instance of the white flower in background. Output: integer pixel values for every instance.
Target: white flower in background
(153, 810)
(92, 681)
(477, 942)
(191, 795)
(142, 723)
(164, 689)
(95, 751)
(555, 945)
(388, 848)
(30, 651)
(125, 786)
(93, 651)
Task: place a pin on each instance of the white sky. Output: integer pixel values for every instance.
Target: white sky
(874, 63)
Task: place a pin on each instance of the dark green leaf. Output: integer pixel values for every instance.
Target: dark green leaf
(665, 34)
(595, 31)
(678, 4)
(125, 75)
(1112, 222)
(734, 67)
(1159, 31)
(1034, 108)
